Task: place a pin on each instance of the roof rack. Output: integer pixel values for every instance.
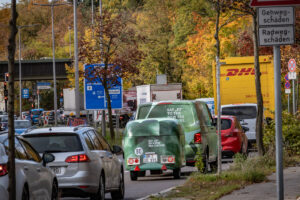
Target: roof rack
(76, 128)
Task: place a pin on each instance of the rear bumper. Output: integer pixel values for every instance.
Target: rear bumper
(82, 181)
(153, 166)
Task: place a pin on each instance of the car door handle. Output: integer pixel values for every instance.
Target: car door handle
(26, 168)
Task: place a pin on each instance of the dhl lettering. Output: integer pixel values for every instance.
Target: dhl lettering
(245, 71)
(240, 72)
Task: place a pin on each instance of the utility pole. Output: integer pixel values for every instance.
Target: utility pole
(52, 4)
(103, 124)
(20, 65)
(77, 103)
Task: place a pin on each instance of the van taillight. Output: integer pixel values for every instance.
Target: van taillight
(77, 158)
(197, 138)
(3, 169)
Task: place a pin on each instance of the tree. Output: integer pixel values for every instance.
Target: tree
(11, 130)
(243, 6)
(115, 44)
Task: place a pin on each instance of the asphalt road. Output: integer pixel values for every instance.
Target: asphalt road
(152, 184)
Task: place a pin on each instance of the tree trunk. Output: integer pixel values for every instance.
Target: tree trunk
(218, 10)
(260, 107)
(111, 127)
(11, 130)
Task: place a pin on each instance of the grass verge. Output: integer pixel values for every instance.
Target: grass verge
(212, 186)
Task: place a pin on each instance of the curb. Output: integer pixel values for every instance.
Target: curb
(157, 194)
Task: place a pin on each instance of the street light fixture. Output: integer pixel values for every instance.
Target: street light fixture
(52, 4)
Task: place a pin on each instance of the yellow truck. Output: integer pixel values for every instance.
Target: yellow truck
(237, 82)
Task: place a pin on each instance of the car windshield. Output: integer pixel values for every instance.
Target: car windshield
(4, 118)
(241, 112)
(36, 112)
(182, 112)
(22, 124)
(55, 143)
(225, 124)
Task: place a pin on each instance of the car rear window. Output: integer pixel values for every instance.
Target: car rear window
(241, 112)
(225, 124)
(185, 113)
(22, 124)
(55, 143)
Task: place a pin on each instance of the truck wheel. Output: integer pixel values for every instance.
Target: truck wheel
(177, 173)
(133, 176)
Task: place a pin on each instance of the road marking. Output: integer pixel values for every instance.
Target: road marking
(158, 194)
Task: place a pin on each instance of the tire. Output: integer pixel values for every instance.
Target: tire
(100, 195)
(142, 174)
(119, 194)
(206, 164)
(54, 195)
(177, 173)
(133, 175)
(25, 193)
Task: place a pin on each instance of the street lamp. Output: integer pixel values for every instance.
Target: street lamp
(20, 66)
(52, 4)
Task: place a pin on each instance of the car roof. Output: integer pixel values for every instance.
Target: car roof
(169, 101)
(21, 120)
(239, 105)
(65, 129)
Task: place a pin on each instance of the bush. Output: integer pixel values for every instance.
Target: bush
(199, 162)
(290, 131)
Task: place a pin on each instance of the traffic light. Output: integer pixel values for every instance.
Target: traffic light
(5, 91)
(6, 77)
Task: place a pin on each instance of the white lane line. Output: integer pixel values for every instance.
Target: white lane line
(157, 194)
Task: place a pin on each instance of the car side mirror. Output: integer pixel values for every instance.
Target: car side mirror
(245, 128)
(47, 158)
(117, 149)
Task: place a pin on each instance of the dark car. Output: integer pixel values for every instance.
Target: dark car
(3, 122)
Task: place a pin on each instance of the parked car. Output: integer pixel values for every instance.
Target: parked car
(35, 115)
(3, 122)
(233, 137)
(33, 179)
(21, 126)
(154, 144)
(199, 130)
(246, 114)
(85, 164)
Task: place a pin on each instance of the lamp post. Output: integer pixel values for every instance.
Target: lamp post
(20, 65)
(52, 4)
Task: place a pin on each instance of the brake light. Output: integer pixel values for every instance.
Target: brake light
(77, 158)
(167, 159)
(133, 161)
(3, 169)
(197, 138)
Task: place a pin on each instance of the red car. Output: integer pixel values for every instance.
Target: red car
(234, 139)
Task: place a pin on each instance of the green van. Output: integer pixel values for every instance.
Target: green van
(154, 144)
(199, 128)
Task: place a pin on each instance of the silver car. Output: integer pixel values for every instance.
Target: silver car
(85, 164)
(33, 179)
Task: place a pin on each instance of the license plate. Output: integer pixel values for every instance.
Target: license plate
(56, 170)
(150, 158)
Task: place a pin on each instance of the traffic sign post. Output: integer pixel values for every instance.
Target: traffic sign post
(276, 27)
(25, 93)
(293, 76)
(94, 94)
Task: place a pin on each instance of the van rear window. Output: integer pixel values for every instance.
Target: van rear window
(241, 112)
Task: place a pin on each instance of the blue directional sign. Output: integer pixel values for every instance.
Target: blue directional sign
(25, 93)
(94, 94)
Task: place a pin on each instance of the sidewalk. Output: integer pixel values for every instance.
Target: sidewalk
(268, 190)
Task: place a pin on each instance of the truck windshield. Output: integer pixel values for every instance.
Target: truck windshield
(241, 112)
(184, 113)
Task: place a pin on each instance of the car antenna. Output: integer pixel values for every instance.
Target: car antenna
(50, 129)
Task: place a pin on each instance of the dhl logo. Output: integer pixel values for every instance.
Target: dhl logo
(240, 72)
